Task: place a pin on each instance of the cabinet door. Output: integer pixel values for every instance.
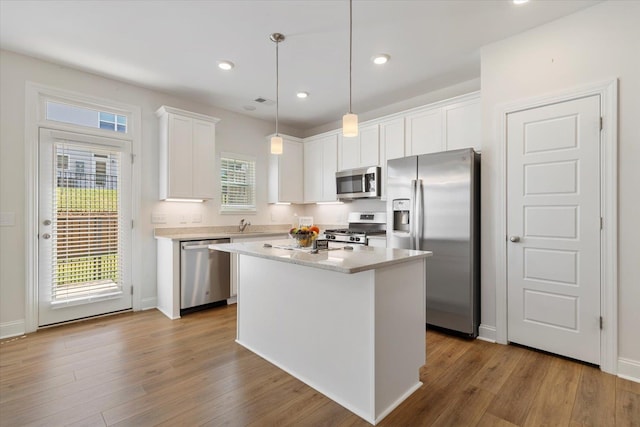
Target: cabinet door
(349, 152)
(313, 171)
(369, 146)
(392, 136)
(463, 125)
(391, 147)
(329, 168)
(424, 132)
(180, 179)
(204, 156)
(290, 173)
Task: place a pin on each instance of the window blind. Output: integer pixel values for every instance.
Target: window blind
(238, 182)
(86, 224)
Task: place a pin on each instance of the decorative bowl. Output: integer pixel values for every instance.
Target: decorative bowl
(304, 240)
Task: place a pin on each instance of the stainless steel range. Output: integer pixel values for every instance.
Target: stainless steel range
(361, 225)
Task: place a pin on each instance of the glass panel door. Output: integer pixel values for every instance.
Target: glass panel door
(84, 226)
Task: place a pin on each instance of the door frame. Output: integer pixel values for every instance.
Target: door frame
(608, 91)
(35, 97)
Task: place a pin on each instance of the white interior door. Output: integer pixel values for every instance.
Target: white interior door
(553, 221)
(84, 226)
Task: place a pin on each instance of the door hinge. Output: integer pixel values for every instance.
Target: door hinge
(133, 156)
(132, 294)
(131, 223)
(601, 123)
(601, 223)
(601, 323)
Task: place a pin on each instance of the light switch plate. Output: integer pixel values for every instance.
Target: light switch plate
(196, 218)
(182, 219)
(7, 219)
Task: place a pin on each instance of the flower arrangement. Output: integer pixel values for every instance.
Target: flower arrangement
(304, 235)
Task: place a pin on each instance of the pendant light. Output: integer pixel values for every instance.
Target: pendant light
(350, 120)
(276, 140)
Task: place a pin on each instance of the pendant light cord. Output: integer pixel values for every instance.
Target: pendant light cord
(350, 47)
(277, 86)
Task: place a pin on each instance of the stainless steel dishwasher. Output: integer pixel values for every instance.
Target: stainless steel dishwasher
(204, 275)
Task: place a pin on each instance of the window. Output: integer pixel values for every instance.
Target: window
(63, 161)
(238, 183)
(83, 116)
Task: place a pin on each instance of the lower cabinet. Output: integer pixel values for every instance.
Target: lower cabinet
(377, 242)
(234, 258)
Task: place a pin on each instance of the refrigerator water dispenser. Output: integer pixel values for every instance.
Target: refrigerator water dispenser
(401, 218)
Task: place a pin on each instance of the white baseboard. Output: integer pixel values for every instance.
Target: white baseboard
(629, 369)
(12, 329)
(487, 333)
(148, 303)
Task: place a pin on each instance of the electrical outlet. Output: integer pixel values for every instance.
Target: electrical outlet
(158, 218)
(182, 219)
(196, 218)
(7, 219)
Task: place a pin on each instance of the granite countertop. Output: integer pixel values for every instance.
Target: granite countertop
(361, 258)
(204, 233)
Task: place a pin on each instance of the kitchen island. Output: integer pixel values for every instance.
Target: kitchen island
(349, 323)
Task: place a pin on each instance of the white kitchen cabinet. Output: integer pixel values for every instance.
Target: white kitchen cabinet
(424, 132)
(359, 151)
(234, 256)
(462, 124)
(320, 164)
(391, 146)
(377, 241)
(286, 173)
(187, 154)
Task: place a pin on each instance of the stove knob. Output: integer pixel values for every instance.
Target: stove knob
(357, 239)
(352, 238)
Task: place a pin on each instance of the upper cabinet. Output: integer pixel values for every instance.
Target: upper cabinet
(424, 132)
(359, 151)
(187, 154)
(392, 146)
(285, 172)
(462, 125)
(320, 165)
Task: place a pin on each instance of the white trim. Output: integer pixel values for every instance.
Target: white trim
(629, 369)
(148, 303)
(12, 329)
(34, 103)
(487, 333)
(608, 91)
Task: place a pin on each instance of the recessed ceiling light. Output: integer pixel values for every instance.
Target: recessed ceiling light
(249, 107)
(520, 1)
(225, 65)
(381, 58)
(302, 94)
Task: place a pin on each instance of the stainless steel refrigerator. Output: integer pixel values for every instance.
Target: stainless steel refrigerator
(433, 204)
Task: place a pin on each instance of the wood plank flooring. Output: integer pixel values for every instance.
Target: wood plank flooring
(142, 369)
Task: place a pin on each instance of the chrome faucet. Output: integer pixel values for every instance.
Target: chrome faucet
(243, 224)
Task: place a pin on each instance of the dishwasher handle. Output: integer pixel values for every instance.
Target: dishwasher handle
(187, 246)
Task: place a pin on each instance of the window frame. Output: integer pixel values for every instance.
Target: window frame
(237, 208)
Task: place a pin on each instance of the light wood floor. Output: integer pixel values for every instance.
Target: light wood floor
(141, 369)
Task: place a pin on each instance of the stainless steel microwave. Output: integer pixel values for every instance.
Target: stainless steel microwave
(361, 183)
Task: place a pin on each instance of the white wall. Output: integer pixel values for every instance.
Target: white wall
(591, 46)
(234, 133)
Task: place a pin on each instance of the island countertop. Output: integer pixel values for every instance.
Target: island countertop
(361, 258)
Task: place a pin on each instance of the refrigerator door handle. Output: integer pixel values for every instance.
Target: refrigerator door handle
(419, 214)
(413, 220)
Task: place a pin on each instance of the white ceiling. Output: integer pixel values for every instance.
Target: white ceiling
(173, 46)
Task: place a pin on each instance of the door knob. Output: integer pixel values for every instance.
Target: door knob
(47, 222)
(514, 239)
(46, 236)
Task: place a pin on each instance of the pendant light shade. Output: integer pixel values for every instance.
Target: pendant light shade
(277, 145)
(350, 120)
(350, 124)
